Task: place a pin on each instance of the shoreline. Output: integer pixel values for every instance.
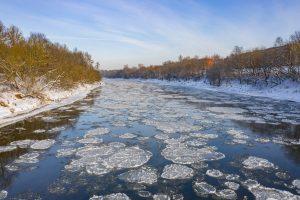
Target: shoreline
(29, 107)
(287, 91)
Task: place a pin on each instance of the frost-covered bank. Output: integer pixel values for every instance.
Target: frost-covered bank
(15, 107)
(288, 90)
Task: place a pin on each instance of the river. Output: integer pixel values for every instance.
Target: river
(141, 140)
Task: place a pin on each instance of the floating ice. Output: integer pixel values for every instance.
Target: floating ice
(129, 157)
(65, 152)
(226, 194)
(7, 148)
(232, 185)
(144, 193)
(143, 175)
(238, 141)
(96, 169)
(262, 140)
(237, 134)
(96, 151)
(227, 110)
(204, 135)
(96, 132)
(127, 136)
(232, 177)
(196, 142)
(161, 197)
(42, 144)
(176, 171)
(253, 162)
(12, 167)
(22, 143)
(203, 188)
(114, 196)
(28, 158)
(182, 154)
(3, 194)
(282, 175)
(214, 173)
(250, 183)
(56, 129)
(177, 141)
(296, 183)
(161, 136)
(177, 197)
(39, 131)
(264, 193)
(90, 141)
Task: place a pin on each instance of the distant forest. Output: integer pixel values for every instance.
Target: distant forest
(31, 65)
(260, 65)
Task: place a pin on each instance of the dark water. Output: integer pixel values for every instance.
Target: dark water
(233, 126)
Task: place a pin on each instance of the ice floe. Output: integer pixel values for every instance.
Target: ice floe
(182, 154)
(23, 143)
(214, 173)
(296, 183)
(65, 152)
(265, 193)
(232, 177)
(3, 194)
(29, 158)
(204, 135)
(114, 196)
(129, 157)
(42, 144)
(162, 136)
(176, 171)
(282, 175)
(102, 159)
(253, 162)
(127, 136)
(226, 194)
(161, 197)
(144, 193)
(96, 132)
(232, 185)
(203, 188)
(196, 142)
(39, 131)
(143, 175)
(96, 168)
(237, 134)
(227, 110)
(90, 141)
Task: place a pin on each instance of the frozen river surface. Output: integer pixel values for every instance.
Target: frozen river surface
(138, 140)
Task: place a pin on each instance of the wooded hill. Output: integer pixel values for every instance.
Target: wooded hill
(31, 65)
(267, 65)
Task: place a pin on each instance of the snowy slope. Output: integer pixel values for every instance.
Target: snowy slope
(288, 90)
(16, 109)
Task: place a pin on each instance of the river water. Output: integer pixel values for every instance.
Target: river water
(142, 140)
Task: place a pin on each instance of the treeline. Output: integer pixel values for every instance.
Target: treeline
(268, 65)
(31, 65)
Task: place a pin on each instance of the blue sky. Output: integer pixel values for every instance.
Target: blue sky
(118, 32)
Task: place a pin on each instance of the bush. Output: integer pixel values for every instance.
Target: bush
(34, 64)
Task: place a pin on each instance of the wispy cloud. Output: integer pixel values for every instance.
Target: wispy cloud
(130, 32)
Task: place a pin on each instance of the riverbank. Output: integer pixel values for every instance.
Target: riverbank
(14, 108)
(288, 90)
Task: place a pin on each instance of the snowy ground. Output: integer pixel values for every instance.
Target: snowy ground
(14, 109)
(286, 91)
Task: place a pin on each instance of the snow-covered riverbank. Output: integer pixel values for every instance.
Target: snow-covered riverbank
(14, 108)
(286, 91)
